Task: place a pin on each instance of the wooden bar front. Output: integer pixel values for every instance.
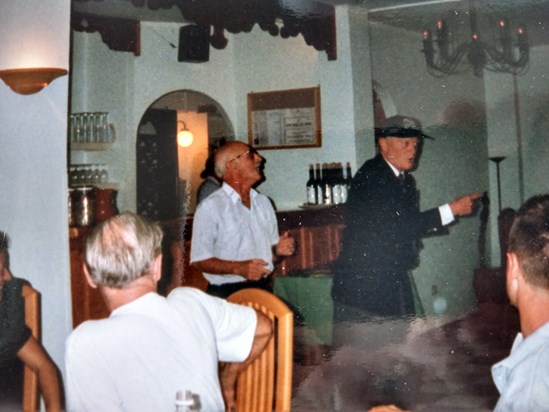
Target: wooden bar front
(317, 232)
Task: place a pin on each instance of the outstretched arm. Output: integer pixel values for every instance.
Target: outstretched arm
(229, 371)
(464, 205)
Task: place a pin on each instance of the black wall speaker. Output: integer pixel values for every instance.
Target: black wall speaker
(194, 44)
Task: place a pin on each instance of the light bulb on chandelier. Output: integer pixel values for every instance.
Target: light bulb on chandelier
(184, 136)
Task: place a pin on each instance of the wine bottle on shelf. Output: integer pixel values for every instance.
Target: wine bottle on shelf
(327, 184)
(349, 175)
(318, 182)
(347, 185)
(311, 186)
(322, 185)
(338, 183)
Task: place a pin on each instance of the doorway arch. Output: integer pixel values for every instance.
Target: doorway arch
(167, 175)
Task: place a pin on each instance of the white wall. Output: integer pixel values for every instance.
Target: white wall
(33, 198)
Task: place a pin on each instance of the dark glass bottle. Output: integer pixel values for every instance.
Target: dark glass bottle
(311, 187)
(338, 184)
(348, 180)
(318, 182)
(327, 184)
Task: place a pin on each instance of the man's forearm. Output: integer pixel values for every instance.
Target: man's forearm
(229, 371)
(252, 269)
(218, 266)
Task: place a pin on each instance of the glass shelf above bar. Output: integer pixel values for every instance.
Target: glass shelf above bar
(91, 147)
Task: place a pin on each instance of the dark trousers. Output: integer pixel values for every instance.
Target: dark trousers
(374, 292)
(372, 308)
(227, 289)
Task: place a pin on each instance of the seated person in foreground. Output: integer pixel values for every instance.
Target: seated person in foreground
(522, 378)
(15, 337)
(151, 347)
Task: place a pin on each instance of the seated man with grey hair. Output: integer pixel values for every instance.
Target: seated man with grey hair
(151, 347)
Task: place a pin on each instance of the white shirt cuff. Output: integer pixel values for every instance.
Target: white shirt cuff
(446, 215)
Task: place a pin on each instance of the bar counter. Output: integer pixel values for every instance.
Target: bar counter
(317, 231)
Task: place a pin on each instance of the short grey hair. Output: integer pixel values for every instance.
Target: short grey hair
(223, 155)
(122, 249)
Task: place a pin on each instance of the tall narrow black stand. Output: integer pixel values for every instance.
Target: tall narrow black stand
(497, 160)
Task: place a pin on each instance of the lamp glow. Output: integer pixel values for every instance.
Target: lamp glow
(184, 136)
(32, 80)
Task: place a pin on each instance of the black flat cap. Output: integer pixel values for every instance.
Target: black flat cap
(401, 126)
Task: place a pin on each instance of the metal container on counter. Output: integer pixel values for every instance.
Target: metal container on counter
(83, 206)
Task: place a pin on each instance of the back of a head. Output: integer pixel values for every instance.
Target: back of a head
(529, 240)
(209, 167)
(122, 249)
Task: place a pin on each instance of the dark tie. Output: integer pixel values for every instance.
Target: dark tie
(400, 177)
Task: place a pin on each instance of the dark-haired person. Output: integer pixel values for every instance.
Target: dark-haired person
(523, 378)
(15, 337)
(211, 181)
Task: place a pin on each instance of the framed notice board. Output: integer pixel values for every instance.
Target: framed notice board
(284, 119)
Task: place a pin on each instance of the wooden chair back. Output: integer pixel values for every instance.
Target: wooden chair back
(266, 385)
(32, 320)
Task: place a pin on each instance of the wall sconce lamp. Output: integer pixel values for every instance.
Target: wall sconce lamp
(184, 136)
(30, 81)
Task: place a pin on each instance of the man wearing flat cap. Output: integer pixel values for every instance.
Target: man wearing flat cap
(384, 227)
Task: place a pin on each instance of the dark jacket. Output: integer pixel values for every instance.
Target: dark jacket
(384, 227)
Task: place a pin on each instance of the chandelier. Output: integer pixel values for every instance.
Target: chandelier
(444, 54)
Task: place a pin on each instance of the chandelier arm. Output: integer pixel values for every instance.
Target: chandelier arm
(448, 65)
(514, 67)
(502, 56)
(454, 61)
